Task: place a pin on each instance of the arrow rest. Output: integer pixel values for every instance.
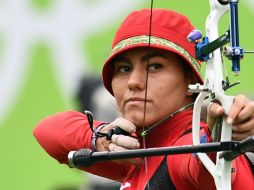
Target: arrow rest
(226, 84)
(223, 2)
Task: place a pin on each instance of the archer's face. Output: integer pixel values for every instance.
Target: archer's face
(166, 87)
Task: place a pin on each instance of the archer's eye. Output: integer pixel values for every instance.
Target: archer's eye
(122, 68)
(154, 66)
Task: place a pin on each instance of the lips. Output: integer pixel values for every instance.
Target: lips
(137, 99)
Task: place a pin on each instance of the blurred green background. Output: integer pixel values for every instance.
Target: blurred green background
(24, 165)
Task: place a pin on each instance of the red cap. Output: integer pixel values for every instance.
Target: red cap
(169, 31)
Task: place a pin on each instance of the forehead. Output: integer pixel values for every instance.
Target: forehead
(142, 51)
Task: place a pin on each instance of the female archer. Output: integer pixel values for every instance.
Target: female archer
(148, 72)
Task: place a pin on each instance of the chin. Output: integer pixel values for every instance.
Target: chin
(138, 120)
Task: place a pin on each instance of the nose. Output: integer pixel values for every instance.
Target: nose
(137, 79)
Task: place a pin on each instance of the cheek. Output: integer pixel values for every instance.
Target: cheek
(170, 84)
(118, 90)
(171, 93)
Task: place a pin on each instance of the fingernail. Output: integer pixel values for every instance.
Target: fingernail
(218, 110)
(230, 121)
(137, 145)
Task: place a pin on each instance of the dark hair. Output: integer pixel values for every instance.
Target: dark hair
(187, 72)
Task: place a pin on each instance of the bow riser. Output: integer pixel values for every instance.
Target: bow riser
(221, 171)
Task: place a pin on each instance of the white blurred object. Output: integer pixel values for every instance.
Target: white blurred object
(105, 107)
(250, 3)
(62, 26)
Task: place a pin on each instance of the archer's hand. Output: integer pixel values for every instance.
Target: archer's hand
(119, 142)
(241, 116)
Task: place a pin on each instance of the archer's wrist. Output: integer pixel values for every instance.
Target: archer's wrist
(97, 140)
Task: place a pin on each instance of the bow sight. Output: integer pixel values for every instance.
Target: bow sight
(234, 52)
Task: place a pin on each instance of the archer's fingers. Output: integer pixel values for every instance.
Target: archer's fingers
(238, 104)
(245, 127)
(125, 141)
(134, 161)
(124, 124)
(240, 136)
(246, 113)
(214, 110)
(116, 148)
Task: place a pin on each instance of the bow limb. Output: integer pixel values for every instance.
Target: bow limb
(221, 170)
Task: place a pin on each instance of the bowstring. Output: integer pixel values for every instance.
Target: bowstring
(146, 91)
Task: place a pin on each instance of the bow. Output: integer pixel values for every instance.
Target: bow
(216, 83)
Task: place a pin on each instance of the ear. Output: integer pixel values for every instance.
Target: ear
(190, 79)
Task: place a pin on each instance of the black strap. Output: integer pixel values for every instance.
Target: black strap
(250, 157)
(161, 179)
(187, 132)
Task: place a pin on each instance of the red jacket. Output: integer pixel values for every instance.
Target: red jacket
(67, 131)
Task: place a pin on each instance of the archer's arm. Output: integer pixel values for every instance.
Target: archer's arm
(186, 171)
(67, 131)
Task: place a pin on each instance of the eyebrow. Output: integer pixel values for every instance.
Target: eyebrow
(144, 58)
(120, 59)
(151, 55)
